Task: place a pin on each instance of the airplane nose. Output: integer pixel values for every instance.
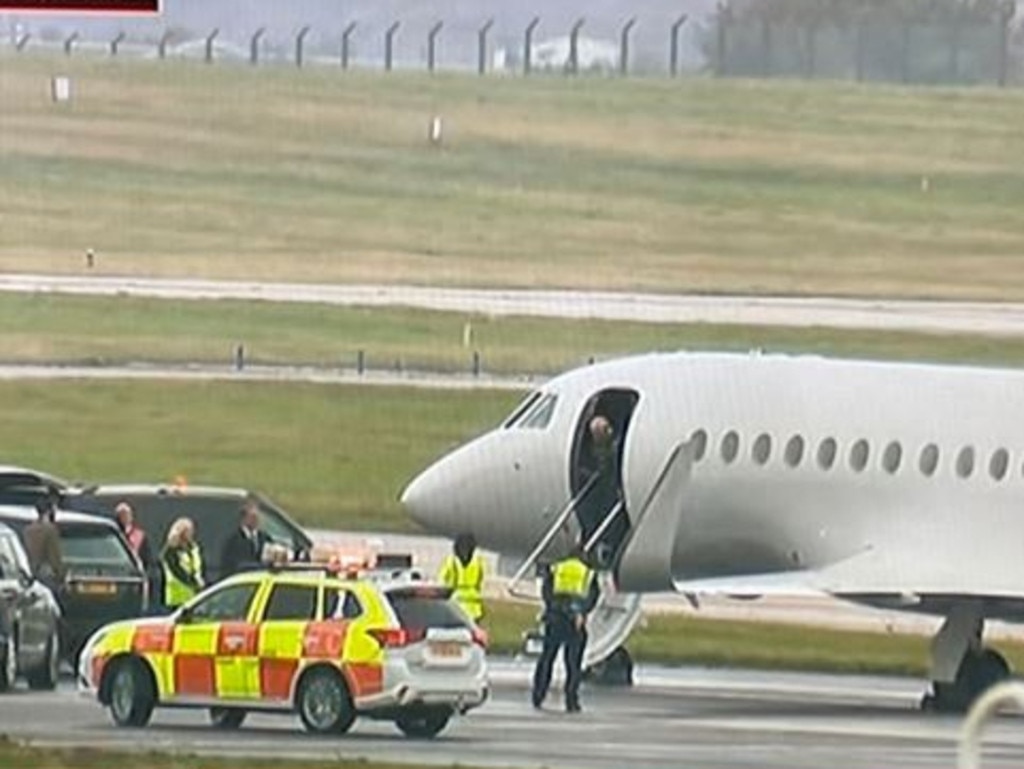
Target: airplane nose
(429, 501)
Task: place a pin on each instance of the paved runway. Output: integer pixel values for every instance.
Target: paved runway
(673, 718)
(931, 316)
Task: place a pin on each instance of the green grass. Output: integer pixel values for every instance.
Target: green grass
(334, 456)
(22, 756)
(674, 639)
(186, 169)
(71, 329)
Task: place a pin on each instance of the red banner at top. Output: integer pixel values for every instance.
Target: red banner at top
(82, 6)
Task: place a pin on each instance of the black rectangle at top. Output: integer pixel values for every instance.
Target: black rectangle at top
(82, 6)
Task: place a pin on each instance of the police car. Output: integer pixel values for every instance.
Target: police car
(329, 646)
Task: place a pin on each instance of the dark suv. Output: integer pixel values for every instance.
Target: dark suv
(213, 509)
(29, 620)
(105, 581)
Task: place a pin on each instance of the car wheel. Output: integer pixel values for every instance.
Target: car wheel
(423, 723)
(227, 718)
(131, 694)
(46, 675)
(8, 663)
(324, 704)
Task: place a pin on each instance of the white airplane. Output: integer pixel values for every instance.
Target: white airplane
(895, 485)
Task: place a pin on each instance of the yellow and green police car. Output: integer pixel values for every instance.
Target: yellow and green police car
(329, 647)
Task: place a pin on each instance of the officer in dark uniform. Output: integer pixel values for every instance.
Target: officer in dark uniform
(570, 594)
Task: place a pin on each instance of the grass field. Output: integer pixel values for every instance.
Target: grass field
(334, 456)
(185, 169)
(70, 329)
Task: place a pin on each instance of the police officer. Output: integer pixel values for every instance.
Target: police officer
(183, 564)
(570, 594)
(463, 572)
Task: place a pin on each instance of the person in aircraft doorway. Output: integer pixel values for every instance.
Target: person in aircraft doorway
(570, 592)
(603, 466)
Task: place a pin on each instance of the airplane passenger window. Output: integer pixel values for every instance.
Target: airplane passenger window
(859, 453)
(700, 444)
(827, 451)
(762, 449)
(794, 450)
(999, 464)
(892, 457)
(730, 446)
(965, 462)
(540, 415)
(929, 459)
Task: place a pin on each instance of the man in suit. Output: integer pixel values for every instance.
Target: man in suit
(244, 549)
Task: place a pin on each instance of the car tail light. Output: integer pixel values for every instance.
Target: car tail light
(480, 636)
(393, 638)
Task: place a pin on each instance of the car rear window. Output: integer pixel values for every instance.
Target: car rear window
(426, 610)
(94, 546)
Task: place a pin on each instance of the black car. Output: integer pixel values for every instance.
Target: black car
(214, 510)
(29, 620)
(105, 581)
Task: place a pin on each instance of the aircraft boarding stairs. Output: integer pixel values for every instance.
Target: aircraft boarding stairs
(642, 557)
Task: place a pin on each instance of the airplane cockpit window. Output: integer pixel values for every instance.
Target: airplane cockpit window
(859, 453)
(827, 451)
(730, 446)
(762, 449)
(999, 464)
(521, 409)
(929, 461)
(794, 450)
(965, 462)
(540, 415)
(891, 457)
(700, 444)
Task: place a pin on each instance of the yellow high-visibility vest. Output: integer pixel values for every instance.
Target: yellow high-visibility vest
(571, 577)
(177, 592)
(466, 583)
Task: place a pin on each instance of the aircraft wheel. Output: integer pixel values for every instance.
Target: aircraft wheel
(616, 670)
(978, 672)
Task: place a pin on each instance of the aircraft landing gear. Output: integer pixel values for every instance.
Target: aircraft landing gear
(616, 670)
(962, 668)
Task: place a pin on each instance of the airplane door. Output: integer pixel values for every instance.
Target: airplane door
(600, 511)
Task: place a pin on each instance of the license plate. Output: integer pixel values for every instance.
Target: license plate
(96, 588)
(449, 649)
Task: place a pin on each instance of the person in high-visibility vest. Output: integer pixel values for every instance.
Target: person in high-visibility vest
(570, 593)
(463, 572)
(183, 564)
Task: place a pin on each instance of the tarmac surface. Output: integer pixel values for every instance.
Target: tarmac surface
(672, 718)
(881, 314)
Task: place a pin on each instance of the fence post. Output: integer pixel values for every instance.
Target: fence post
(346, 37)
(624, 46)
(574, 47)
(161, 46)
(361, 362)
(21, 42)
(300, 42)
(476, 363)
(69, 43)
(209, 44)
(432, 45)
(389, 45)
(254, 46)
(724, 16)
(766, 45)
(1006, 13)
(528, 45)
(239, 357)
(116, 42)
(481, 46)
(673, 46)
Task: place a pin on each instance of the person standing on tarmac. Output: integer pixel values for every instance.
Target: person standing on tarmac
(570, 593)
(42, 545)
(463, 572)
(183, 564)
(244, 549)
